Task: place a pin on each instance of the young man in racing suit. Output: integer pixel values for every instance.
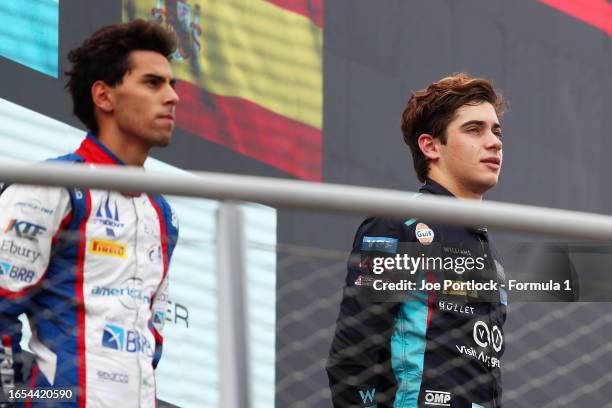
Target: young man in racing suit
(89, 267)
(433, 347)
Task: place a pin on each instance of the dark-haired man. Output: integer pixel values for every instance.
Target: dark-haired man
(89, 267)
(433, 347)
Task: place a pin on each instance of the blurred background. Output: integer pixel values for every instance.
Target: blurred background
(314, 90)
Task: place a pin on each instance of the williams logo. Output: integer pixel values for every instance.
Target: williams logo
(367, 397)
(108, 248)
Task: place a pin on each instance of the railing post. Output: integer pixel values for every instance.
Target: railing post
(234, 367)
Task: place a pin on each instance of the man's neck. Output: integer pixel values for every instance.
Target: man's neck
(124, 147)
(456, 188)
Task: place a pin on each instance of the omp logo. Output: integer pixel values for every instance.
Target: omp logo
(113, 337)
(437, 398)
(368, 396)
(108, 248)
(25, 229)
(109, 217)
(483, 336)
(16, 272)
(130, 341)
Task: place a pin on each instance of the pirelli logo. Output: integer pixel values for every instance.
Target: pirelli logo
(105, 247)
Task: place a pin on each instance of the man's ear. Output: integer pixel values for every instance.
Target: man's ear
(429, 146)
(102, 96)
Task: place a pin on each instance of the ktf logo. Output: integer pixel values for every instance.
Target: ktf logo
(25, 229)
(483, 336)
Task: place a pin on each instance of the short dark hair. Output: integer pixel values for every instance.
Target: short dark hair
(430, 110)
(105, 57)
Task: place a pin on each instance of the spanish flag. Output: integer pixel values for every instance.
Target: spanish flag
(249, 74)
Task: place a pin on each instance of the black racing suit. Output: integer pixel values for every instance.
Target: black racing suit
(420, 348)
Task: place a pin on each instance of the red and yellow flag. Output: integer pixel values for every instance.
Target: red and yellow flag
(249, 75)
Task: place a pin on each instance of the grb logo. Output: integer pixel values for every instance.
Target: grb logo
(437, 398)
(25, 229)
(368, 396)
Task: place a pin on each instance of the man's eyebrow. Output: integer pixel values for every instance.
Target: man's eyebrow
(479, 123)
(160, 78)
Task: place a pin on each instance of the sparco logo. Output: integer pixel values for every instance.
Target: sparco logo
(437, 398)
(483, 336)
(114, 377)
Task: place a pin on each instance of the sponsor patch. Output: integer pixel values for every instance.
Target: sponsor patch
(13, 250)
(25, 229)
(379, 244)
(105, 247)
(16, 272)
(31, 206)
(424, 234)
(437, 398)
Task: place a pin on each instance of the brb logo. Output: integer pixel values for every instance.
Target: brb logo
(24, 229)
(117, 338)
(15, 272)
(437, 398)
(483, 336)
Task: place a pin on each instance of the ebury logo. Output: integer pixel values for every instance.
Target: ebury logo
(108, 248)
(424, 234)
(367, 397)
(437, 398)
(483, 336)
(25, 229)
(108, 215)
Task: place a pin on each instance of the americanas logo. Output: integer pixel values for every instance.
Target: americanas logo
(31, 206)
(108, 215)
(25, 229)
(424, 234)
(16, 273)
(130, 341)
(105, 247)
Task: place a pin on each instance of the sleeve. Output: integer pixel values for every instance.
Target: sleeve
(160, 300)
(30, 217)
(359, 363)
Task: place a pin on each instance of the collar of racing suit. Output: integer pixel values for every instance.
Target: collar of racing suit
(431, 187)
(93, 151)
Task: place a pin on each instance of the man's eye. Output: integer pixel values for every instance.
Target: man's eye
(499, 134)
(473, 130)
